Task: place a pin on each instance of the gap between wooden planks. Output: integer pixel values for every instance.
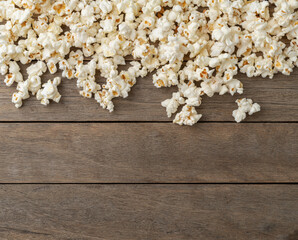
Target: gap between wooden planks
(148, 153)
(133, 212)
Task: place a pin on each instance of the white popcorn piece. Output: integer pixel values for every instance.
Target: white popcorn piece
(34, 84)
(234, 86)
(37, 69)
(245, 106)
(22, 94)
(192, 93)
(227, 40)
(166, 76)
(90, 87)
(14, 74)
(105, 6)
(173, 103)
(49, 92)
(51, 64)
(188, 116)
(3, 69)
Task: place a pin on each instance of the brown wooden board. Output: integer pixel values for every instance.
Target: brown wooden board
(146, 212)
(109, 153)
(278, 98)
(148, 152)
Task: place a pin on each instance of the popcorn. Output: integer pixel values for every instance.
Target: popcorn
(51, 64)
(22, 94)
(173, 103)
(49, 92)
(34, 84)
(14, 74)
(227, 37)
(119, 86)
(89, 87)
(166, 76)
(105, 6)
(37, 69)
(127, 31)
(245, 106)
(188, 116)
(192, 93)
(3, 69)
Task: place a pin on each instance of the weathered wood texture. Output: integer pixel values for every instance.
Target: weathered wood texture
(148, 152)
(146, 212)
(278, 98)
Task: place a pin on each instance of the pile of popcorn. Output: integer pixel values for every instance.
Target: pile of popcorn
(218, 37)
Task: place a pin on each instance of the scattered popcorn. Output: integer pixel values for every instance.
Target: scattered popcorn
(173, 103)
(14, 74)
(188, 116)
(22, 94)
(49, 92)
(83, 38)
(245, 106)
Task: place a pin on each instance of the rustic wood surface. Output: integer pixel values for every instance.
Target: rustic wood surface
(149, 212)
(225, 170)
(148, 152)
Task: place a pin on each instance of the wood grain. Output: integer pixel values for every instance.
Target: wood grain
(148, 152)
(166, 212)
(278, 98)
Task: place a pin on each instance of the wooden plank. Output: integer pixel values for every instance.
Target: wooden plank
(148, 152)
(165, 212)
(278, 98)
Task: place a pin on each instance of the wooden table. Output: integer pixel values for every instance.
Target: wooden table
(74, 171)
